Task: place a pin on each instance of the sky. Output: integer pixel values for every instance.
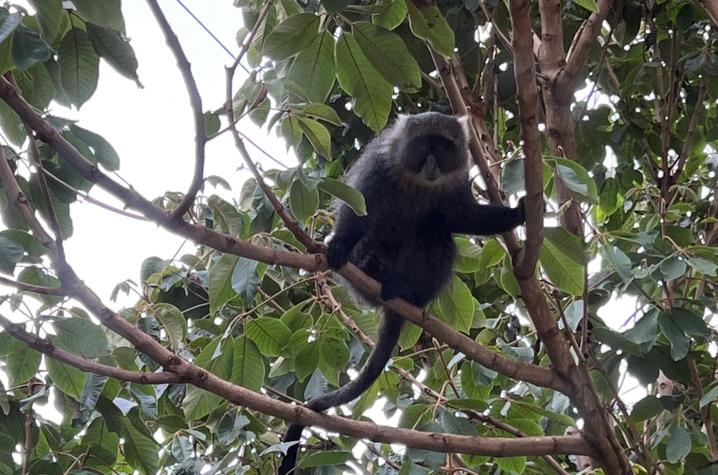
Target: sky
(152, 130)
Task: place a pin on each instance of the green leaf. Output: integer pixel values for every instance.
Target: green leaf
(314, 70)
(303, 201)
(248, 367)
(8, 23)
(577, 180)
(333, 356)
(140, 450)
(318, 136)
(646, 408)
(679, 341)
(49, 15)
(21, 361)
(220, 282)
(371, 93)
(491, 254)
(36, 276)
(245, 279)
(106, 13)
(67, 379)
(589, 5)
(28, 48)
(455, 305)
(703, 266)
(225, 215)
(322, 112)
(306, 360)
(326, 458)
(291, 36)
(558, 259)
(619, 261)
(673, 268)
(79, 66)
(512, 464)
(351, 196)
(80, 337)
(115, 49)
(387, 52)
(469, 255)
(211, 123)
(10, 254)
(678, 445)
(689, 322)
(11, 125)
(429, 24)
(409, 336)
(102, 149)
(173, 322)
(270, 335)
(709, 397)
(392, 16)
(29, 243)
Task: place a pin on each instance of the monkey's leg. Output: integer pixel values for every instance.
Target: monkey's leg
(348, 229)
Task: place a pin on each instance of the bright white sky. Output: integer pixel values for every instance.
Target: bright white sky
(152, 130)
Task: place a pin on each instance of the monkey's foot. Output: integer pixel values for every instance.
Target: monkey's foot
(338, 253)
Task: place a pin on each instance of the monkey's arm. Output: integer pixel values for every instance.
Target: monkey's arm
(348, 229)
(466, 216)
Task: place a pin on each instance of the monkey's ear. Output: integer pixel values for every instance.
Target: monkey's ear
(465, 123)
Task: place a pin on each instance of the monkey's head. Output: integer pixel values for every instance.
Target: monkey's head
(429, 149)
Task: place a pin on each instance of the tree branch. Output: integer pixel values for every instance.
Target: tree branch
(583, 41)
(711, 7)
(525, 74)
(48, 348)
(228, 244)
(195, 102)
(38, 289)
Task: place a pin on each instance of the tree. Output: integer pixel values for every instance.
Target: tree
(496, 376)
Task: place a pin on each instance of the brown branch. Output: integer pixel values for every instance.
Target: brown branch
(711, 7)
(440, 399)
(47, 348)
(185, 371)
(287, 219)
(704, 411)
(196, 104)
(228, 244)
(525, 74)
(38, 289)
(583, 41)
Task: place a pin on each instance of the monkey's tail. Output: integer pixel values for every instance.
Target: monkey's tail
(386, 340)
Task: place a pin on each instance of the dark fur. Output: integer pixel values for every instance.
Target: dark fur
(405, 242)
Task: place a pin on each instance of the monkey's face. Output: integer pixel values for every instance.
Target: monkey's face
(433, 158)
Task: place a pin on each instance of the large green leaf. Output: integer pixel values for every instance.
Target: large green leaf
(248, 366)
(392, 16)
(576, 179)
(318, 136)
(79, 66)
(103, 151)
(291, 36)
(370, 92)
(220, 282)
(68, 379)
(28, 48)
(388, 54)
(80, 337)
(303, 201)
(678, 445)
(8, 23)
(269, 334)
(351, 196)
(314, 69)
(562, 259)
(429, 24)
(116, 50)
(10, 254)
(455, 305)
(140, 450)
(106, 13)
(21, 361)
(49, 15)
(173, 322)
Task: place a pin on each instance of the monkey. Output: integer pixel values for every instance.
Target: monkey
(415, 180)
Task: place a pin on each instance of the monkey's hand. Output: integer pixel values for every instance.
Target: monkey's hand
(338, 252)
(522, 210)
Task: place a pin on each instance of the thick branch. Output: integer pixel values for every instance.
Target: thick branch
(195, 102)
(38, 289)
(711, 7)
(583, 41)
(529, 118)
(228, 244)
(49, 349)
